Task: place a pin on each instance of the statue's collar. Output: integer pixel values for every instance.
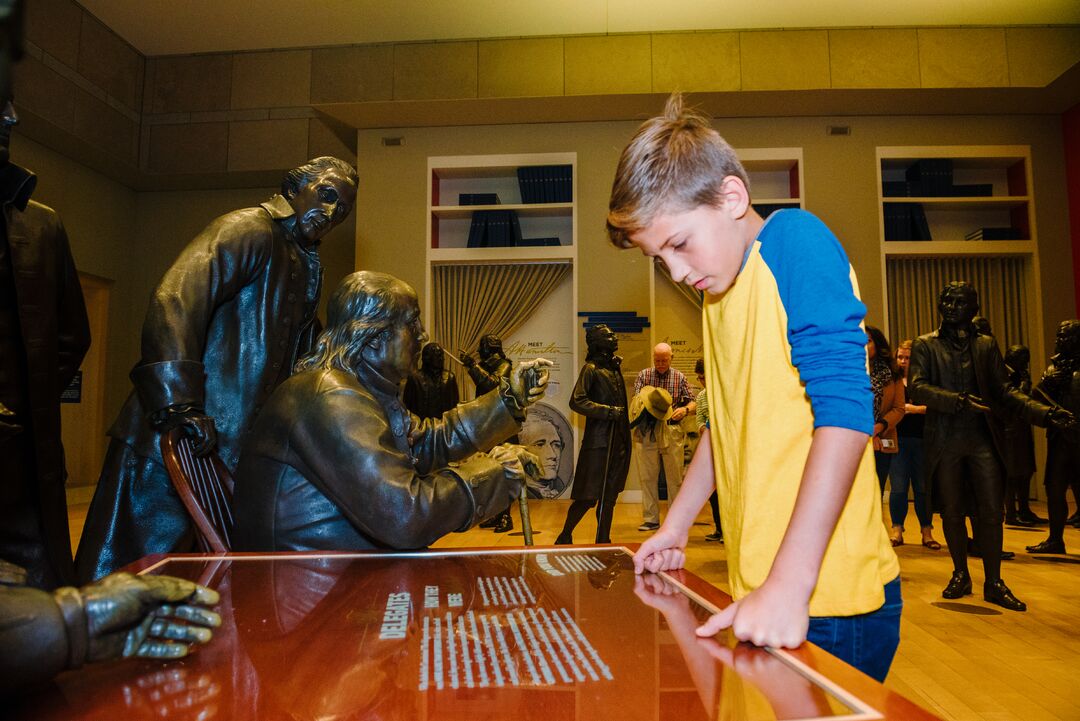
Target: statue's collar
(16, 186)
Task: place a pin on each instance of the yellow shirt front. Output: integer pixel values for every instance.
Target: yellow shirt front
(762, 418)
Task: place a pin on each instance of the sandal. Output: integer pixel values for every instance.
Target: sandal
(931, 544)
(896, 536)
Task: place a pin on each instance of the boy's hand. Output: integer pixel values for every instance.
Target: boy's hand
(768, 616)
(663, 551)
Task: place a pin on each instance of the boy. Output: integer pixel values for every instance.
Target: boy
(809, 557)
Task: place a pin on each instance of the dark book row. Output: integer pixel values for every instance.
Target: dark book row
(767, 209)
(933, 178)
(501, 229)
(906, 221)
(546, 183)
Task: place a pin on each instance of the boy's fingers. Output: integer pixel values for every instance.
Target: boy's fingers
(643, 553)
(719, 621)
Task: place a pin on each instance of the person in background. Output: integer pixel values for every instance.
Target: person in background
(907, 465)
(669, 452)
(702, 422)
(885, 381)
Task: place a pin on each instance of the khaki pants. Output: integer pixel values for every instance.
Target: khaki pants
(648, 454)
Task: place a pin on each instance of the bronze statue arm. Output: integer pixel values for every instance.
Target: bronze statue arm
(73, 325)
(1012, 400)
(121, 615)
(921, 390)
(212, 269)
(580, 402)
(348, 448)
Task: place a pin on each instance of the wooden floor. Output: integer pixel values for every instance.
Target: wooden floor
(964, 660)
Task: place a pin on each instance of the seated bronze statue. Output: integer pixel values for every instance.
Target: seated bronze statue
(336, 461)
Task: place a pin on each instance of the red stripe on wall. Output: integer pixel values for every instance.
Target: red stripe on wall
(1070, 127)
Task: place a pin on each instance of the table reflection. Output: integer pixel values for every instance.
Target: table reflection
(531, 634)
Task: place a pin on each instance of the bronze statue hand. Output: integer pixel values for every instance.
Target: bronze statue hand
(149, 616)
(616, 412)
(1058, 417)
(530, 381)
(8, 427)
(518, 464)
(967, 401)
(200, 428)
(466, 360)
(11, 575)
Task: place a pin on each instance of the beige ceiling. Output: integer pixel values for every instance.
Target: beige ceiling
(157, 27)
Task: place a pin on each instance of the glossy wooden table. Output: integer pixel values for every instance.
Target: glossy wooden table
(542, 633)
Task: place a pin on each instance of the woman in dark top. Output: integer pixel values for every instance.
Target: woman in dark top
(907, 467)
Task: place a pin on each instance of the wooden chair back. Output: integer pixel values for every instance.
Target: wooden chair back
(205, 487)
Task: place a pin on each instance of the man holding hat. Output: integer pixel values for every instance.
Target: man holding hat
(663, 445)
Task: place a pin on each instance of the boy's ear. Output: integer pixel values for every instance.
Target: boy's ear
(735, 196)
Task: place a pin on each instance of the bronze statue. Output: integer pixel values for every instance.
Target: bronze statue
(335, 461)
(960, 377)
(604, 458)
(486, 374)
(1019, 446)
(42, 634)
(1060, 385)
(44, 334)
(430, 391)
(225, 326)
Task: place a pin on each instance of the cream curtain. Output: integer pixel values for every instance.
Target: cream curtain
(914, 285)
(474, 300)
(694, 296)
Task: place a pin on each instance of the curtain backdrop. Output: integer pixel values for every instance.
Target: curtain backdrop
(474, 300)
(694, 296)
(914, 285)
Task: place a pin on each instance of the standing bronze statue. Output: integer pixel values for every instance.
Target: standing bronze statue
(225, 326)
(486, 375)
(1060, 385)
(604, 458)
(430, 391)
(44, 334)
(960, 377)
(43, 633)
(335, 461)
(1019, 446)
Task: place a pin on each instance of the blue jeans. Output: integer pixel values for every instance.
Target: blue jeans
(907, 470)
(868, 641)
(882, 463)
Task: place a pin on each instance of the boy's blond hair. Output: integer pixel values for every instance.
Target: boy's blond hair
(675, 162)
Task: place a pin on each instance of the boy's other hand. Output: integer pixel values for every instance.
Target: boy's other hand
(768, 616)
(663, 551)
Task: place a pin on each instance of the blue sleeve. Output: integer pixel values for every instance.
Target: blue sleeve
(828, 344)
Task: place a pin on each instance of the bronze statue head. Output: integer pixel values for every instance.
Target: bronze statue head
(11, 51)
(373, 319)
(1067, 341)
(431, 359)
(601, 340)
(1017, 357)
(958, 303)
(490, 345)
(321, 192)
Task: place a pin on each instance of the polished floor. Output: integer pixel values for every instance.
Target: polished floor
(966, 660)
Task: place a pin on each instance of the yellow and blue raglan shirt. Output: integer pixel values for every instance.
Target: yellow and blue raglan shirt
(785, 354)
